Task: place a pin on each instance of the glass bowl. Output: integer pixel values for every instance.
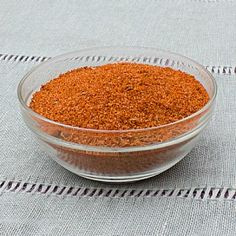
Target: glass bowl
(115, 155)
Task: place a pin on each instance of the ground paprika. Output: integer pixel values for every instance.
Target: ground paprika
(129, 97)
(120, 96)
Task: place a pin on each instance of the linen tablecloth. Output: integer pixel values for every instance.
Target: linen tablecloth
(195, 197)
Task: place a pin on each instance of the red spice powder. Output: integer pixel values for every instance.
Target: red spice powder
(120, 96)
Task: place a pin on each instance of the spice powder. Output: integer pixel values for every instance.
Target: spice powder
(123, 96)
(120, 96)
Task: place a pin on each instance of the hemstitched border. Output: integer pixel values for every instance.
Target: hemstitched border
(207, 193)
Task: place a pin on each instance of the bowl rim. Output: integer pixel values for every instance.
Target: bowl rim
(33, 113)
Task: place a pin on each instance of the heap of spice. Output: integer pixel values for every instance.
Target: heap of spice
(126, 97)
(120, 96)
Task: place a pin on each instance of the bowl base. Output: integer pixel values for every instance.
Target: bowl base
(119, 179)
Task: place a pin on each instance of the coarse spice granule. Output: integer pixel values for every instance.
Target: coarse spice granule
(120, 96)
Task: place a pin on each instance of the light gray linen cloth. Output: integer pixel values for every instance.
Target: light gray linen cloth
(41, 215)
(201, 29)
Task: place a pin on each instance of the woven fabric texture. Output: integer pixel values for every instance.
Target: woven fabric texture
(195, 197)
(37, 215)
(201, 29)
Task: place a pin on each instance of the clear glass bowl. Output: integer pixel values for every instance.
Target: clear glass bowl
(115, 155)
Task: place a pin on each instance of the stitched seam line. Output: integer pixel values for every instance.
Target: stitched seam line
(226, 70)
(207, 193)
(22, 58)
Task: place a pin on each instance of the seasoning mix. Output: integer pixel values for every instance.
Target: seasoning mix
(129, 97)
(120, 97)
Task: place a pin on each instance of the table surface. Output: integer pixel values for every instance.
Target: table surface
(195, 197)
